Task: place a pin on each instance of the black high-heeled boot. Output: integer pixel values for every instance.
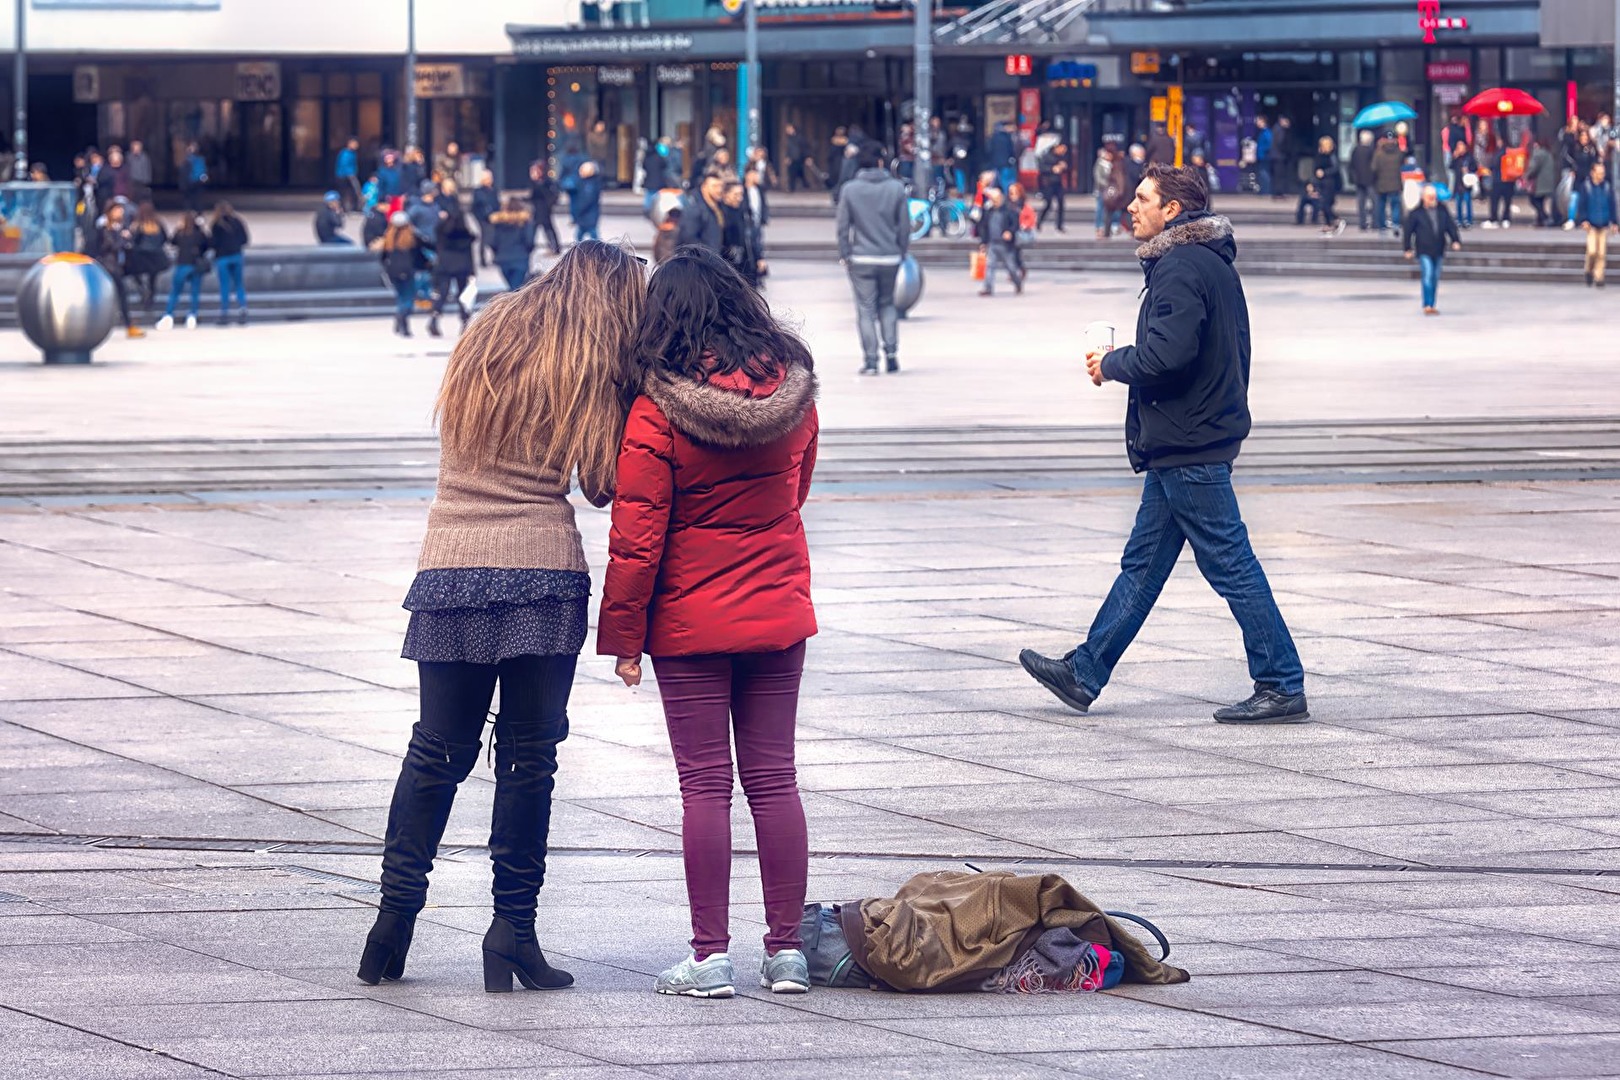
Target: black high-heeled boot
(512, 950)
(525, 775)
(423, 795)
(386, 946)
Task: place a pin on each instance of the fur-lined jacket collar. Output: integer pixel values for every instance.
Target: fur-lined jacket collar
(1199, 229)
(735, 418)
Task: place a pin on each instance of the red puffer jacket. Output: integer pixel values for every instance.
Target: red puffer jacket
(708, 553)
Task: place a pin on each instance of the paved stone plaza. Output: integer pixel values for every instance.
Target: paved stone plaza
(202, 708)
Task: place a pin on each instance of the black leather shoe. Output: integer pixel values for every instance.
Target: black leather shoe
(512, 951)
(892, 365)
(1266, 707)
(1058, 677)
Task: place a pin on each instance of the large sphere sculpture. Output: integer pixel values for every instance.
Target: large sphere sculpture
(908, 284)
(67, 307)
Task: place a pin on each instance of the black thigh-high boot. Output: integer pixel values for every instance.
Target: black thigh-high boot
(423, 795)
(525, 775)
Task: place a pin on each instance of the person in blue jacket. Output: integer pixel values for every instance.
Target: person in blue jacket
(1597, 214)
(585, 203)
(347, 174)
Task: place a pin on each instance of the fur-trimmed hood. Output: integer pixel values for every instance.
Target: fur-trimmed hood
(1201, 228)
(734, 419)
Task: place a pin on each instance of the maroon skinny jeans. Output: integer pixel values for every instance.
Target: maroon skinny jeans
(705, 699)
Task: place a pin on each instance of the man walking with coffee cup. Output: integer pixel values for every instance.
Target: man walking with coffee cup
(1186, 418)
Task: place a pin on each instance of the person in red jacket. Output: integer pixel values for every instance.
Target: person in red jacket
(709, 572)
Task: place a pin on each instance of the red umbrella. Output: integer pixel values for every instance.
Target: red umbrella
(1503, 101)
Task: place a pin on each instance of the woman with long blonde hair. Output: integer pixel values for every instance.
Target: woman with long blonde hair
(533, 396)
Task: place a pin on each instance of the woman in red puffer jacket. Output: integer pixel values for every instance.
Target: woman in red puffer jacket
(710, 574)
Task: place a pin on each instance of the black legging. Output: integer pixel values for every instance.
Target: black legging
(1054, 197)
(455, 698)
(1501, 202)
(121, 287)
(448, 287)
(547, 226)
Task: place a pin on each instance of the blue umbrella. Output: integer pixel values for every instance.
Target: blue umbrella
(1383, 114)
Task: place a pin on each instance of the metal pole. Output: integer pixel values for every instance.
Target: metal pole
(751, 77)
(410, 73)
(922, 111)
(19, 72)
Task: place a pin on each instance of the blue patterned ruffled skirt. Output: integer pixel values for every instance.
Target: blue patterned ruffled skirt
(483, 615)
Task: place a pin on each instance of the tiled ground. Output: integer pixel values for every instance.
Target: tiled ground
(1424, 883)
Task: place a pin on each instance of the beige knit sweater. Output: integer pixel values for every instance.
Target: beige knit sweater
(506, 514)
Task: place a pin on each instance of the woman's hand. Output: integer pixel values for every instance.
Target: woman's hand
(629, 669)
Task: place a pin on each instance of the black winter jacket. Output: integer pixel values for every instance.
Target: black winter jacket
(511, 237)
(1428, 232)
(701, 224)
(229, 237)
(453, 241)
(1189, 369)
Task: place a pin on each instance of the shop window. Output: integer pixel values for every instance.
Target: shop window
(1488, 68)
(1535, 65)
(339, 84)
(308, 153)
(309, 84)
(368, 84)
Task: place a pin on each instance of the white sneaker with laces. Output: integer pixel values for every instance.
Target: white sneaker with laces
(166, 323)
(788, 972)
(191, 322)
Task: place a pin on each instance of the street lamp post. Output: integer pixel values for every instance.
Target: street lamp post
(750, 99)
(922, 109)
(410, 73)
(19, 72)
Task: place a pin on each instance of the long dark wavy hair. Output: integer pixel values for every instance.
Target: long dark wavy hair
(703, 319)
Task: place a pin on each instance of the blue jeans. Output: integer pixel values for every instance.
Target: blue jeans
(404, 295)
(1180, 505)
(1007, 176)
(962, 187)
(1262, 173)
(184, 275)
(1574, 202)
(1389, 210)
(229, 268)
(1429, 266)
(1106, 219)
(1465, 206)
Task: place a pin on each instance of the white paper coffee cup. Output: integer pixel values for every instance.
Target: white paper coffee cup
(1099, 337)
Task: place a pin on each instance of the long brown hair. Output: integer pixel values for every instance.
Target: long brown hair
(540, 375)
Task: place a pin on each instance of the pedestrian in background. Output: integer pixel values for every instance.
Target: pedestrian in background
(148, 253)
(1599, 218)
(453, 268)
(447, 166)
(1387, 182)
(1186, 418)
(329, 221)
(1054, 180)
(963, 146)
(585, 203)
(530, 401)
(346, 171)
(1161, 148)
(1108, 178)
(193, 179)
(191, 265)
(113, 181)
(375, 225)
(709, 572)
(738, 233)
(139, 164)
(1464, 178)
(874, 234)
(1004, 154)
(1265, 142)
(543, 197)
(998, 237)
(599, 145)
(486, 202)
(667, 236)
(403, 259)
(1281, 158)
(1328, 179)
(511, 241)
(389, 179)
(228, 237)
(702, 223)
(1429, 230)
(1493, 172)
(413, 171)
(1365, 178)
(1541, 176)
(114, 242)
(795, 152)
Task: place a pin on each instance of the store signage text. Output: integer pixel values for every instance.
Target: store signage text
(1144, 63)
(676, 75)
(582, 44)
(1446, 71)
(441, 80)
(616, 76)
(258, 80)
(1429, 20)
(1020, 64)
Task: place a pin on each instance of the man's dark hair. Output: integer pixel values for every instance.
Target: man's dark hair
(870, 156)
(1186, 185)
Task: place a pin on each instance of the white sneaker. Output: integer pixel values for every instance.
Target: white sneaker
(712, 978)
(1568, 225)
(1489, 225)
(166, 323)
(1507, 224)
(785, 973)
(191, 322)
